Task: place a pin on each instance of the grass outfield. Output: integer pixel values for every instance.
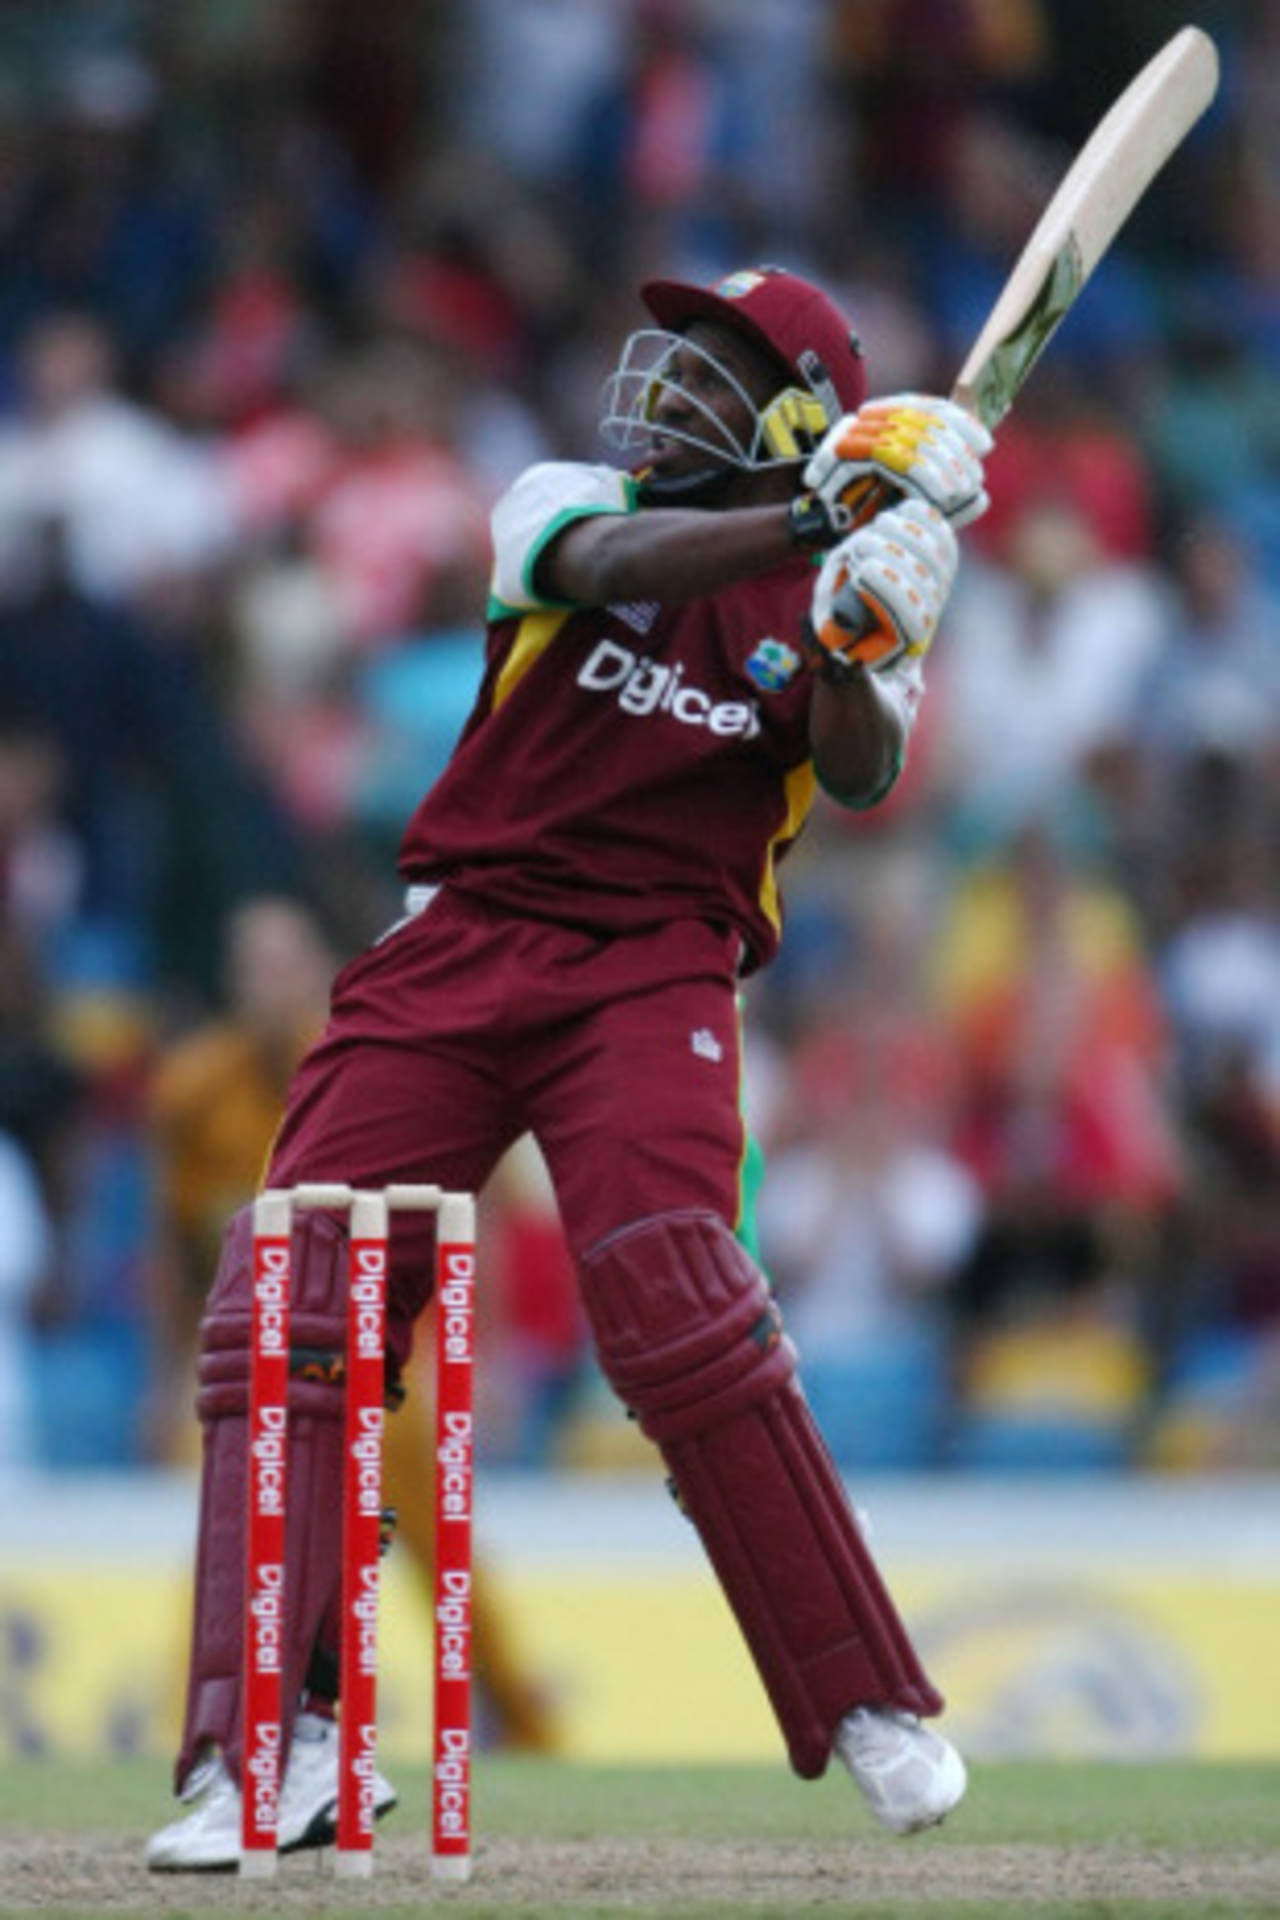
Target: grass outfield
(1111, 1842)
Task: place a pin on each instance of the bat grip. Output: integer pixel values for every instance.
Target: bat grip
(862, 623)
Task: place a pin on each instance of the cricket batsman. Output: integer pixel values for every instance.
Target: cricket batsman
(681, 650)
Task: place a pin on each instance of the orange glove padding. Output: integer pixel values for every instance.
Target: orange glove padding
(912, 444)
(880, 593)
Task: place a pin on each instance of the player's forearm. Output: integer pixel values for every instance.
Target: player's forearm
(857, 738)
(665, 553)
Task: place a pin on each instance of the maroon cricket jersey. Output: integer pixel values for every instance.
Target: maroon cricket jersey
(631, 764)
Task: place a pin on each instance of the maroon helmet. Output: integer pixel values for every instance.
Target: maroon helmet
(821, 370)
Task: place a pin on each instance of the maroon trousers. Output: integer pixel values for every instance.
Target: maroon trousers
(464, 1028)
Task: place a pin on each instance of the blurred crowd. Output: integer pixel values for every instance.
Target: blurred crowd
(288, 292)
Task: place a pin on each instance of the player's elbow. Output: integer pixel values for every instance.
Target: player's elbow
(857, 784)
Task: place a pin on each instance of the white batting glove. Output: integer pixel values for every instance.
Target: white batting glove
(911, 443)
(880, 593)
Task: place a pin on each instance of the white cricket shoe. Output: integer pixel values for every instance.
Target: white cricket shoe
(909, 1775)
(207, 1840)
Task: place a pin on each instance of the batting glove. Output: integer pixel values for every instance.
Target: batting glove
(879, 593)
(911, 443)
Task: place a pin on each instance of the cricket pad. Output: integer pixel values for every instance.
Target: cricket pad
(313, 1523)
(691, 1340)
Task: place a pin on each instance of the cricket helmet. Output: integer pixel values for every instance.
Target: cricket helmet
(792, 322)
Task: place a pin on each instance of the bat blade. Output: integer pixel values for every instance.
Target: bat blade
(1109, 176)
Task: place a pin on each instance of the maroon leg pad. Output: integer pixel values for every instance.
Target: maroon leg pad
(313, 1523)
(691, 1340)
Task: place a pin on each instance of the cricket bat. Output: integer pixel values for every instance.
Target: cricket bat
(1099, 191)
(1113, 170)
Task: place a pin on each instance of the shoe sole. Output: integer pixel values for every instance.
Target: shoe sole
(916, 1826)
(205, 1867)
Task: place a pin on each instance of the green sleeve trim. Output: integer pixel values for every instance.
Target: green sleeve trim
(496, 609)
(552, 531)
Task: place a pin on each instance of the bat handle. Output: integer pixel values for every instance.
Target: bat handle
(861, 504)
(862, 623)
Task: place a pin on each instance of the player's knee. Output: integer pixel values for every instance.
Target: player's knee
(317, 1322)
(687, 1331)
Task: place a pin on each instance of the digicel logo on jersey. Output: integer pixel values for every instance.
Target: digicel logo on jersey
(646, 686)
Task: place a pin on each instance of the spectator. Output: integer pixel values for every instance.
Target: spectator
(214, 1098)
(41, 861)
(1065, 1123)
(1220, 972)
(1064, 444)
(1215, 684)
(402, 504)
(1041, 669)
(867, 1212)
(101, 220)
(42, 1090)
(155, 792)
(512, 61)
(136, 499)
(24, 1256)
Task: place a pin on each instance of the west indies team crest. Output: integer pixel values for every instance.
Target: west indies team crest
(773, 664)
(736, 286)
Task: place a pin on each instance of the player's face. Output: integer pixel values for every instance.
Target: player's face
(712, 385)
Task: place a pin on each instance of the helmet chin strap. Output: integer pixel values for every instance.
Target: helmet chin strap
(708, 487)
